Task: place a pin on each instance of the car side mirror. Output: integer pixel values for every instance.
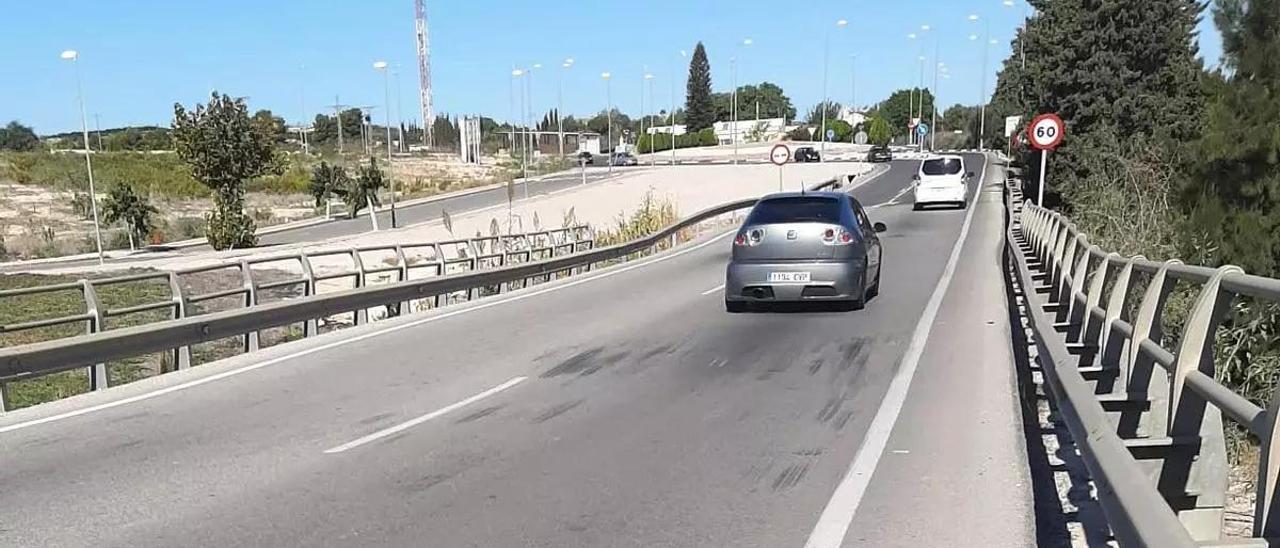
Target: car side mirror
(879, 227)
(969, 175)
(915, 177)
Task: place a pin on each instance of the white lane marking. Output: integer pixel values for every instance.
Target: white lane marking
(424, 418)
(357, 338)
(392, 329)
(713, 290)
(834, 522)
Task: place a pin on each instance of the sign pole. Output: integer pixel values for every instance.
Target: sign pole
(780, 155)
(1044, 164)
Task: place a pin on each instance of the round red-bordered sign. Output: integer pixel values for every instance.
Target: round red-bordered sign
(1046, 132)
(779, 155)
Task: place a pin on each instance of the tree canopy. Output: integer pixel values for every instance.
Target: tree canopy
(699, 108)
(223, 149)
(16, 136)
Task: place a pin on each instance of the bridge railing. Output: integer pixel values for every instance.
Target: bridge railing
(1147, 419)
(485, 265)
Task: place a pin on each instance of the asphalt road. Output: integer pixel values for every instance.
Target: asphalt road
(625, 408)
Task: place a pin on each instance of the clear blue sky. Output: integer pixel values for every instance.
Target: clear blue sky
(138, 57)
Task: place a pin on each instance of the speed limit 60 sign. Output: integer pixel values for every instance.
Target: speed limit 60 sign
(1046, 132)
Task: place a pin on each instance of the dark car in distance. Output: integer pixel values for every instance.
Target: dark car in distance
(806, 154)
(586, 158)
(804, 247)
(879, 154)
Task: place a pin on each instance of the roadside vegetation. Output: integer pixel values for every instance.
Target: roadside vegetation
(1162, 157)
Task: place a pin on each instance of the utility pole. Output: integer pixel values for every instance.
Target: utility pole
(337, 107)
(97, 124)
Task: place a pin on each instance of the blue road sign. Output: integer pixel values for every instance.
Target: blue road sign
(831, 134)
(922, 129)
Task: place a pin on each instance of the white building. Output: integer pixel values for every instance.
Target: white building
(750, 131)
(680, 129)
(852, 116)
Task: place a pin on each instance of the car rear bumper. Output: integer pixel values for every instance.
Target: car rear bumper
(939, 195)
(828, 281)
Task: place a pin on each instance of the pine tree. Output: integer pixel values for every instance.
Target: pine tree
(1235, 198)
(700, 110)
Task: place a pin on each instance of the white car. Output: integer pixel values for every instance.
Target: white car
(942, 180)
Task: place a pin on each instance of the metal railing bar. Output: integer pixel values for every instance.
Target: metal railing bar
(1158, 354)
(217, 295)
(130, 278)
(69, 286)
(50, 322)
(112, 312)
(1233, 405)
(281, 283)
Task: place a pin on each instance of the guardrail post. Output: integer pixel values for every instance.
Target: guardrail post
(97, 373)
(472, 264)
(441, 300)
(1064, 284)
(1139, 374)
(1111, 348)
(250, 299)
(4, 397)
(403, 262)
(361, 314)
(181, 354)
(1074, 294)
(1091, 329)
(1200, 471)
(309, 327)
(1266, 508)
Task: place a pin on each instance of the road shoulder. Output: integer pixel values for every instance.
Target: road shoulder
(954, 472)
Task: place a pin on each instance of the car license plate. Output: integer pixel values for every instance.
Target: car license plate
(788, 276)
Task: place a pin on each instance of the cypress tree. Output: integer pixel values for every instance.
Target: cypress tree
(699, 110)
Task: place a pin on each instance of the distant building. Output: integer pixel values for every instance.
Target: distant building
(680, 129)
(852, 116)
(750, 131)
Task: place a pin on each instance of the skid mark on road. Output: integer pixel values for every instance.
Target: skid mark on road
(585, 363)
(790, 476)
(479, 414)
(556, 411)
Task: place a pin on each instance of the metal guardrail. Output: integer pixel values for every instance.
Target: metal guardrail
(1152, 438)
(178, 334)
(439, 258)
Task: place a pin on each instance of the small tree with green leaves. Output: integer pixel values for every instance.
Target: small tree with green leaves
(878, 132)
(328, 180)
(223, 150)
(123, 205)
(363, 190)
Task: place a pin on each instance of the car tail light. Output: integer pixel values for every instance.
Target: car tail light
(837, 236)
(749, 238)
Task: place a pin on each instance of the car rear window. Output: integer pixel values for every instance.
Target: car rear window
(941, 166)
(797, 209)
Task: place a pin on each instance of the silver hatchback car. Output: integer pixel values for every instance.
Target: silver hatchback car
(804, 247)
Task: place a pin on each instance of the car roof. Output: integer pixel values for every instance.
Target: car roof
(806, 194)
(945, 157)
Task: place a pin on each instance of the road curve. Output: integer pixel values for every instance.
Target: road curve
(624, 408)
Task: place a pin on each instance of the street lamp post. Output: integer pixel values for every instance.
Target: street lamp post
(746, 42)
(74, 57)
(933, 126)
(853, 84)
(672, 114)
(386, 101)
(533, 134)
(568, 63)
(826, 50)
(653, 106)
(608, 114)
(524, 142)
